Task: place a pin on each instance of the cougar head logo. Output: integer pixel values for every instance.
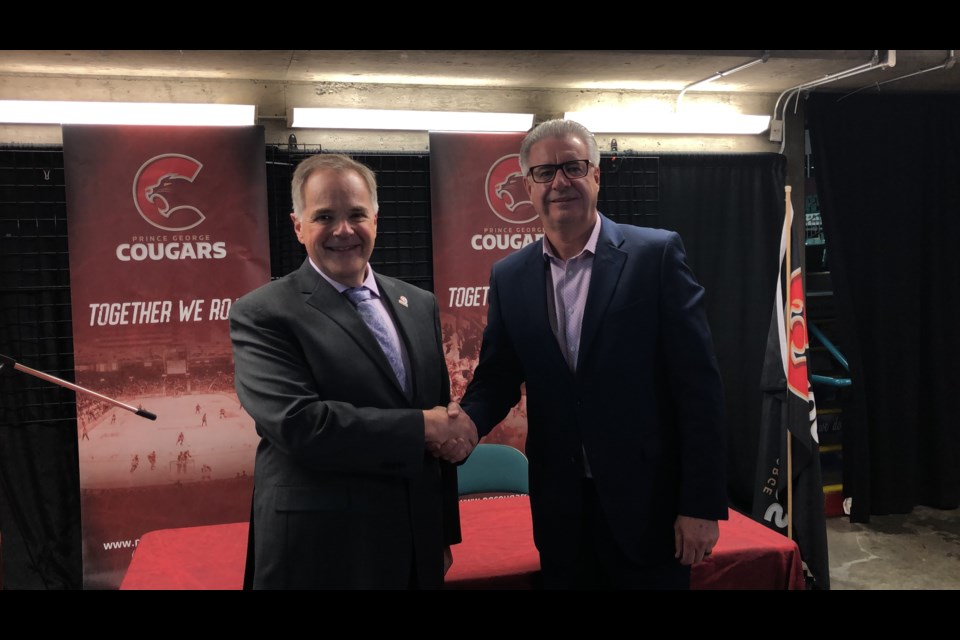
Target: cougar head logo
(161, 193)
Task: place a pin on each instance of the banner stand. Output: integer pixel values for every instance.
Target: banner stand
(8, 364)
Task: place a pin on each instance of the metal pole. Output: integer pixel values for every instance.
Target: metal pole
(8, 363)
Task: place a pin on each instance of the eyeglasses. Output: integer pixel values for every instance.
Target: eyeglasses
(574, 170)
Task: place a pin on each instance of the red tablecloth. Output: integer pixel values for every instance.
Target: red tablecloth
(749, 556)
(497, 552)
(210, 557)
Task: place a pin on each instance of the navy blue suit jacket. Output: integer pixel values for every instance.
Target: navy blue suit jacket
(645, 403)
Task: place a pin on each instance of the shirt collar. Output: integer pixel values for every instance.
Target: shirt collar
(369, 281)
(590, 247)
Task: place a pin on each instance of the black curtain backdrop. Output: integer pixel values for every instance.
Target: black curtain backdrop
(39, 475)
(727, 208)
(888, 177)
(39, 469)
(729, 211)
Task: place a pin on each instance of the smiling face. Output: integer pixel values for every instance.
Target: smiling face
(338, 225)
(565, 206)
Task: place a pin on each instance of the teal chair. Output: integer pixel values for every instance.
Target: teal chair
(493, 468)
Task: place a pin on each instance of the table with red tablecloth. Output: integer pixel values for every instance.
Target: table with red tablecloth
(497, 552)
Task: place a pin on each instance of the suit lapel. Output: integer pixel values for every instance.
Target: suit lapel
(534, 279)
(607, 267)
(321, 295)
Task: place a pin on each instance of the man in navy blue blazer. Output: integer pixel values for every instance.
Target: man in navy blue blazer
(605, 325)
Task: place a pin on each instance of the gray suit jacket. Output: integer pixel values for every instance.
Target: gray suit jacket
(345, 496)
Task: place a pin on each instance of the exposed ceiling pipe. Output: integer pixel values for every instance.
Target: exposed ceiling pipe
(722, 74)
(776, 124)
(796, 91)
(874, 63)
(946, 64)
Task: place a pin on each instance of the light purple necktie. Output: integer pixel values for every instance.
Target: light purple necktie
(361, 297)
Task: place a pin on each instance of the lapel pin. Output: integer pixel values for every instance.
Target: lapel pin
(403, 300)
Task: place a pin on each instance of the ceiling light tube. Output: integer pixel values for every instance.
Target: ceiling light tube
(618, 121)
(397, 120)
(140, 113)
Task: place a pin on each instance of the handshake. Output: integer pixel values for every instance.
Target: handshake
(449, 432)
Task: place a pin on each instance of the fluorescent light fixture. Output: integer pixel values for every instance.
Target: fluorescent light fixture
(66, 112)
(396, 120)
(629, 121)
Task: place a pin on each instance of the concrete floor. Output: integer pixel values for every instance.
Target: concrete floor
(920, 550)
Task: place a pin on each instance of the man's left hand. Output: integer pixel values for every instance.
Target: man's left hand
(694, 538)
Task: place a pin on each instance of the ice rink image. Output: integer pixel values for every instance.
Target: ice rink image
(193, 465)
(195, 438)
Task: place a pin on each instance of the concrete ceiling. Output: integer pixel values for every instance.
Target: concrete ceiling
(546, 83)
(589, 70)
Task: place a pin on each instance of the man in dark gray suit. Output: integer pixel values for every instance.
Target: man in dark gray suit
(605, 325)
(347, 401)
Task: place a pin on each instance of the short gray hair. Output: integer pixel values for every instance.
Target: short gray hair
(334, 162)
(558, 129)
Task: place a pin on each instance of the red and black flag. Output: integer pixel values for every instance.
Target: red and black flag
(794, 508)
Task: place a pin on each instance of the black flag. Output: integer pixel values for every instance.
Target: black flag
(789, 406)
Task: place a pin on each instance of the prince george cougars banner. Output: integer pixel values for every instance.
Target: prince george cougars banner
(167, 227)
(481, 213)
